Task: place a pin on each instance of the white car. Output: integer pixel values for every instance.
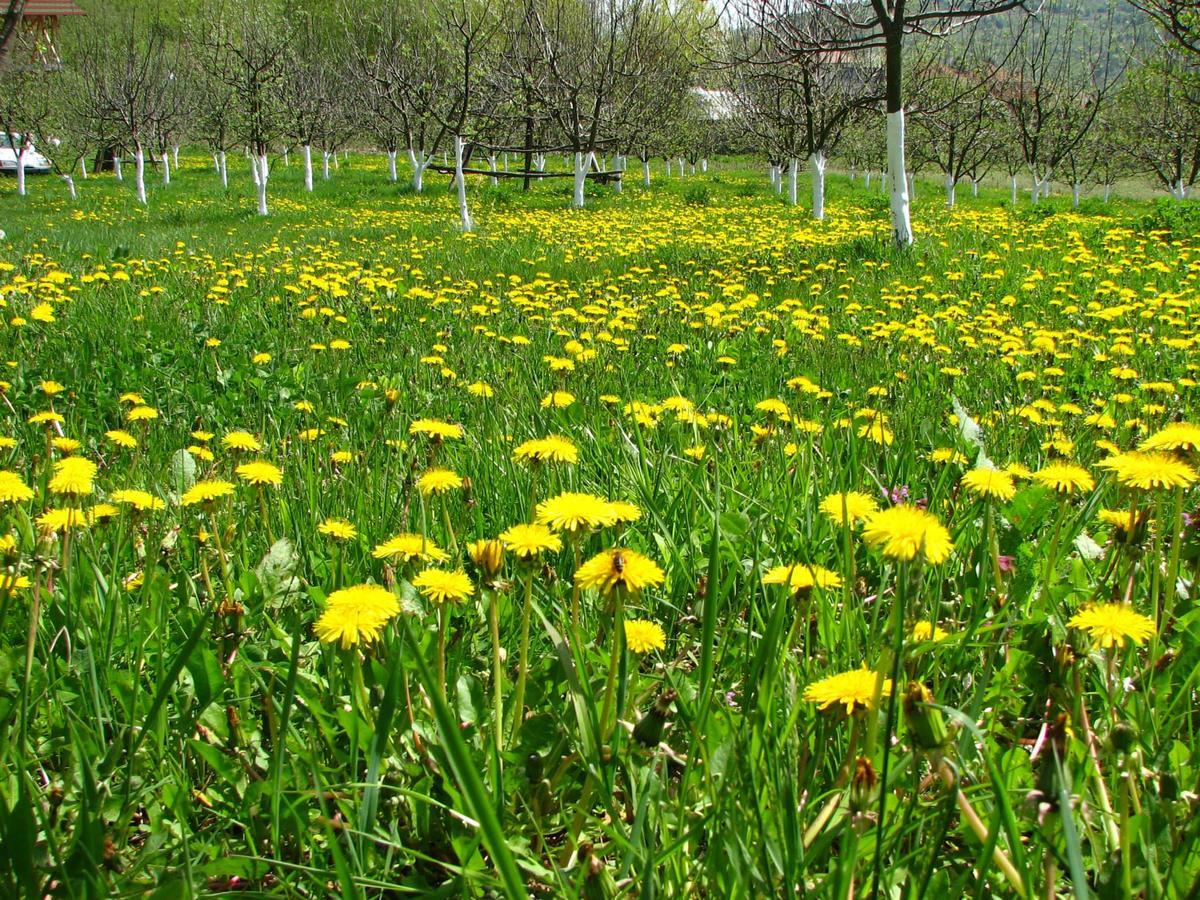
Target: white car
(10, 146)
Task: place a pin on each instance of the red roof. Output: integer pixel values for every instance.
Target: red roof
(51, 8)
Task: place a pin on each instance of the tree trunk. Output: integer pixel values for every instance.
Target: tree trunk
(577, 200)
(308, 168)
(260, 181)
(950, 186)
(897, 167)
(71, 186)
(1107, 190)
(418, 160)
(391, 155)
(867, 179)
(974, 187)
(83, 168)
(816, 163)
(175, 155)
(117, 173)
(793, 171)
(1076, 190)
(216, 163)
(1033, 191)
(224, 171)
(139, 172)
(287, 162)
(492, 165)
(464, 213)
(166, 164)
(645, 173)
(1013, 185)
(253, 168)
(912, 187)
(324, 165)
(21, 169)
(704, 165)
(682, 167)
(668, 167)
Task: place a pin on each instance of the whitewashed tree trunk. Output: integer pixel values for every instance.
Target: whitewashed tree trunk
(308, 167)
(83, 168)
(335, 156)
(287, 161)
(581, 160)
(668, 167)
(1034, 190)
(816, 165)
(897, 187)
(224, 167)
(1013, 187)
(71, 186)
(260, 181)
(1107, 191)
(492, 165)
(216, 163)
(21, 154)
(867, 179)
(1076, 191)
(504, 161)
(950, 191)
(704, 165)
(974, 187)
(117, 173)
(793, 171)
(139, 173)
(391, 155)
(325, 165)
(464, 213)
(166, 164)
(540, 162)
(645, 173)
(682, 167)
(912, 187)
(418, 160)
(1178, 191)
(175, 155)
(253, 168)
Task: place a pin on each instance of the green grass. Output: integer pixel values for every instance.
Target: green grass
(185, 732)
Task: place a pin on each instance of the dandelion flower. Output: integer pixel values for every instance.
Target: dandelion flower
(407, 547)
(439, 481)
(1149, 471)
(356, 615)
(206, 492)
(259, 473)
(901, 532)
(799, 577)
(1182, 436)
(572, 512)
(642, 636)
(619, 568)
(73, 475)
(528, 541)
(121, 438)
(60, 520)
(142, 501)
(338, 529)
(141, 414)
(487, 555)
(441, 586)
(928, 631)
(243, 441)
(1113, 623)
(854, 690)
(1065, 478)
(13, 489)
(990, 484)
(857, 506)
(436, 430)
(551, 448)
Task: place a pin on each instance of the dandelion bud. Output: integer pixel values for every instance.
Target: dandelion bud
(862, 785)
(1123, 737)
(649, 731)
(925, 721)
(390, 397)
(1168, 786)
(534, 767)
(488, 556)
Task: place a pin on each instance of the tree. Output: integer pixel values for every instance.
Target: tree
(248, 44)
(13, 11)
(1062, 74)
(1178, 18)
(957, 122)
(802, 104)
(874, 25)
(26, 105)
(1158, 119)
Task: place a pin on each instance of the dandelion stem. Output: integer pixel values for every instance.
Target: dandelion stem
(522, 658)
(497, 671)
(999, 857)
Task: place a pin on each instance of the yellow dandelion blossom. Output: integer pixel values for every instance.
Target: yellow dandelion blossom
(903, 532)
(1112, 624)
(854, 690)
(642, 636)
(442, 586)
(619, 569)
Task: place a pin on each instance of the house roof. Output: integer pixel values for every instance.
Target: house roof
(34, 8)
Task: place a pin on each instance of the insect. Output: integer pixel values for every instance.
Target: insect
(618, 563)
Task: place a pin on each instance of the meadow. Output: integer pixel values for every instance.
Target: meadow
(677, 546)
